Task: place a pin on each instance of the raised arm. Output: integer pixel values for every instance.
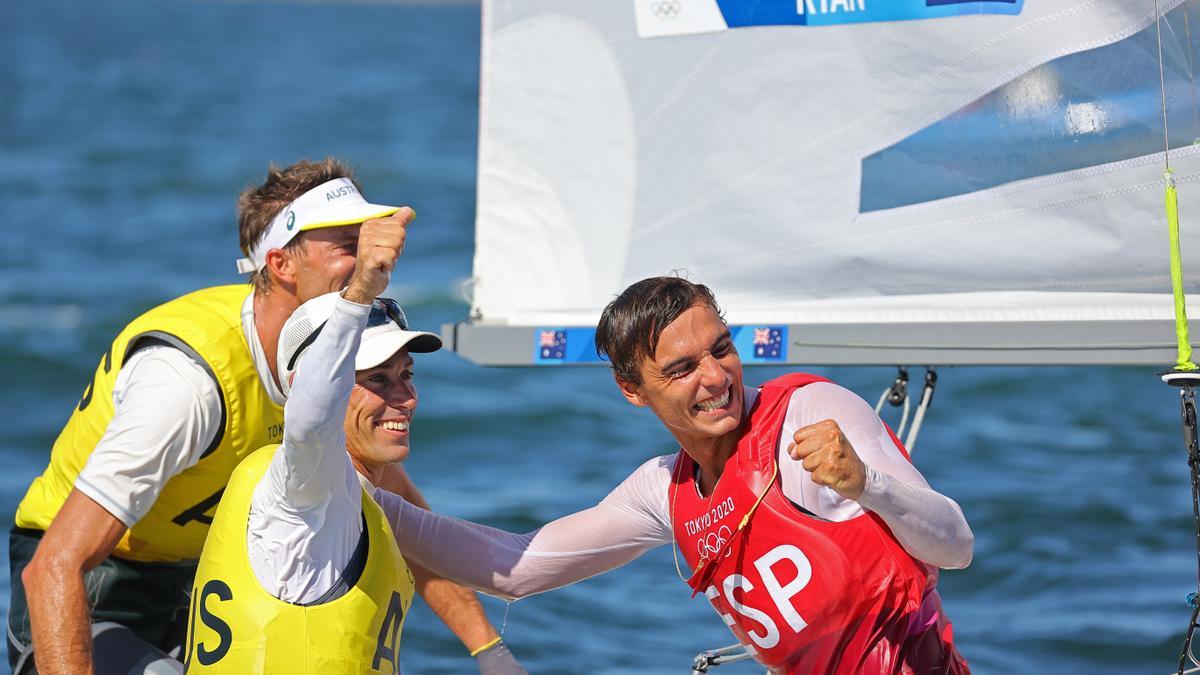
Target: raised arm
(305, 518)
(628, 522)
(843, 446)
(312, 459)
(314, 439)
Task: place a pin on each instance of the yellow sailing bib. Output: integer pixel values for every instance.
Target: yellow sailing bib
(237, 627)
(208, 325)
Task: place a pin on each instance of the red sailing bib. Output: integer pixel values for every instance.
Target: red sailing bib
(805, 594)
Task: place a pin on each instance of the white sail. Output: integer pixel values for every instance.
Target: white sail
(981, 185)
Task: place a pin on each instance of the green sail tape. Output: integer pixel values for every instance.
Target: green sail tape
(1184, 361)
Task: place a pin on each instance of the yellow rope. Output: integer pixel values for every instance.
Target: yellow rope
(774, 473)
(1184, 344)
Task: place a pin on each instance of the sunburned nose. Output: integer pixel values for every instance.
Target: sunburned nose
(711, 372)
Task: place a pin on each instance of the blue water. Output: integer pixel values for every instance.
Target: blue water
(126, 130)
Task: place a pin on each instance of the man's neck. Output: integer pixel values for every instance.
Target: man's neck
(271, 309)
(372, 472)
(710, 454)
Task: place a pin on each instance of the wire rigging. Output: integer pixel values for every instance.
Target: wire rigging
(1184, 375)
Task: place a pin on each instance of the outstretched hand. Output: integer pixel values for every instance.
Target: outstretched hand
(380, 243)
(830, 459)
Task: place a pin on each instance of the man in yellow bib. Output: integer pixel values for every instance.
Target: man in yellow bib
(301, 573)
(106, 540)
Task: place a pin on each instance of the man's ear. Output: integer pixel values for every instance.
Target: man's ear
(631, 391)
(281, 265)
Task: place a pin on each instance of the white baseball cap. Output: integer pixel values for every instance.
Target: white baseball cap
(331, 204)
(386, 333)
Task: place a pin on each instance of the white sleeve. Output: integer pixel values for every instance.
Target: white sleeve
(306, 512)
(929, 525)
(166, 413)
(631, 520)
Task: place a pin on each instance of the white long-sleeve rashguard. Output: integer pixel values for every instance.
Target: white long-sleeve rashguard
(635, 516)
(306, 512)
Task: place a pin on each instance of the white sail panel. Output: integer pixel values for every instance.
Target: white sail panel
(737, 156)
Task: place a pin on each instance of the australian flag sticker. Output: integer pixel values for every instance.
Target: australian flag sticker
(768, 342)
(761, 344)
(551, 344)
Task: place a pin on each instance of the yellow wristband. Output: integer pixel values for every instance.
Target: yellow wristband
(486, 647)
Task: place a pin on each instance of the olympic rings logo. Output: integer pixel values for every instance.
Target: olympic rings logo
(666, 9)
(711, 544)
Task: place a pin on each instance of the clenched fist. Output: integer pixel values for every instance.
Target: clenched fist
(828, 456)
(380, 243)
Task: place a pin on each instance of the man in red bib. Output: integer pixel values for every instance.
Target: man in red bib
(807, 594)
(802, 518)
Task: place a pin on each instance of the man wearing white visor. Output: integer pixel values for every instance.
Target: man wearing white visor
(301, 572)
(335, 203)
(105, 542)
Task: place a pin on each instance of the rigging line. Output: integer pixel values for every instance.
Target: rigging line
(1185, 370)
(1183, 342)
(910, 443)
(1162, 84)
(1191, 435)
(896, 394)
(883, 397)
(903, 418)
(1184, 363)
(719, 657)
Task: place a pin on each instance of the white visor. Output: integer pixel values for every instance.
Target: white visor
(330, 204)
(380, 344)
(386, 333)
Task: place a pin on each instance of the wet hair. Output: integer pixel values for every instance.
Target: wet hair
(258, 205)
(631, 325)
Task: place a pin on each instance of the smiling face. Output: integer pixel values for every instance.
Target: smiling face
(380, 412)
(693, 384)
(325, 260)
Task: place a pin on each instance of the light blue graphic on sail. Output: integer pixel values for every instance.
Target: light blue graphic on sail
(658, 18)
